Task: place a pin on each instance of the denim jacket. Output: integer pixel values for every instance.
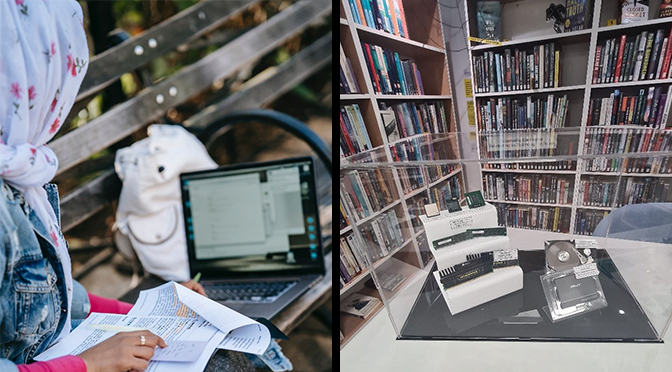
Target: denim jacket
(32, 289)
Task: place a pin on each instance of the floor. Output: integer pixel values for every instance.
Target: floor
(375, 347)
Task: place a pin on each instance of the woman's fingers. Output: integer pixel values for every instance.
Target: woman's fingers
(150, 339)
(139, 364)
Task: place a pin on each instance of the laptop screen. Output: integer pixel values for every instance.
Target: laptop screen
(253, 218)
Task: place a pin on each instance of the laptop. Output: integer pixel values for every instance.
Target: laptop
(253, 232)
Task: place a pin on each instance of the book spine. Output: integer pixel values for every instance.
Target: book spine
(619, 60)
(655, 51)
(647, 56)
(392, 17)
(507, 58)
(596, 67)
(666, 110)
(663, 51)
(666, 60)
(353, 127)
(627, 61)
(607, 61)
(400, 73)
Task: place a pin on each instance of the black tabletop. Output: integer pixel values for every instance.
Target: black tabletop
(621, 321)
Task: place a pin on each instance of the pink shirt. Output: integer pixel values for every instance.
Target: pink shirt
(73, 363)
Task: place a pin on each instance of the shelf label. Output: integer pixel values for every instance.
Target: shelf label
(470, 114)
(468, 90)
(585, 243)
(486, 41)
(584, 271)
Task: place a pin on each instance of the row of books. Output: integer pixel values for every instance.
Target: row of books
(642, 190)
(445, 192)
(416, 207)
(587, 220)
(365, 191)
(389, 73)
(382, 235)
(343, 222)
(419, 149)
(384, 15)
(617, 140)
(513, 113)
(651, 107)
(543, 165)
(536, 188)
(555, 219)
(514, 70)
(410, 118)
(354, 136)
(348, 82)
(352, 259)
(642, 57)
(517, 143)
(596, 192)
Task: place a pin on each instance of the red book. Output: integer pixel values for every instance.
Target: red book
(376, 82)
(619, 61)
(596, 66)
(666, 61)
(590, 112)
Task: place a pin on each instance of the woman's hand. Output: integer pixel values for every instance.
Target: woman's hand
(122, 352)
(191, 284)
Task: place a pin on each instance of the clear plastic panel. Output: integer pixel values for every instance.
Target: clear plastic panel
(610, 205)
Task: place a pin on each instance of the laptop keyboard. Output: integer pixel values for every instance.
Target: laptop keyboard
(255, 292)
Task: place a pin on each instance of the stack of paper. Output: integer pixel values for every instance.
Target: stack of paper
(192, 325)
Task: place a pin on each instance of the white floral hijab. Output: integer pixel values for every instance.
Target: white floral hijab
(43, 59)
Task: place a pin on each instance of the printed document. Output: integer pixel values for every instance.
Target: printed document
(187, 321)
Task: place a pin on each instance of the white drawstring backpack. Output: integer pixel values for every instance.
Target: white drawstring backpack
(149, 217)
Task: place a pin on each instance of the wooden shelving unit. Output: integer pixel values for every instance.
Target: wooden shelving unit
(425, 45)
(579, 48)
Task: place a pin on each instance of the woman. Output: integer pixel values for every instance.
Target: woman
(43, 59)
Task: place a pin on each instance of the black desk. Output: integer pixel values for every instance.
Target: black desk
(621, 321)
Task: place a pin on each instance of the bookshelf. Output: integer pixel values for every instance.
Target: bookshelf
(577, 66)
(428, 95)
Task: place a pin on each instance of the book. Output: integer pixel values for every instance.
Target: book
(488, 15)
(359, 305)
(390, 124)
(634, 11)
(647, 55)
(665, 9)
(655, 52)
(578, 15)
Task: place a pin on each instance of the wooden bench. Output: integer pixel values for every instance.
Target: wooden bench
(151, 104)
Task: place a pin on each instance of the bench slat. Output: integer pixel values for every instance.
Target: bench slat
(87, 200)
(131, 115)
(288, 75)
(109, 65)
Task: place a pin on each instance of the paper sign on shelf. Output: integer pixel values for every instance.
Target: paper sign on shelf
(486, 41)
(470, 113)
(468, 90)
